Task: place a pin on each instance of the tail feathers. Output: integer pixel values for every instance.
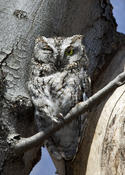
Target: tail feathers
(59, 164)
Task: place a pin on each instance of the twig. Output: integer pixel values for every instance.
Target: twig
(38, 139)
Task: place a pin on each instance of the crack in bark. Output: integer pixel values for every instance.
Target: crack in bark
(6, 57)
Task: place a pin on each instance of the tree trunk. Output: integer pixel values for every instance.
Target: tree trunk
(102, 149)
(21, 23)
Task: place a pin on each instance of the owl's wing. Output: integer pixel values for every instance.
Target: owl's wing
(83, 120)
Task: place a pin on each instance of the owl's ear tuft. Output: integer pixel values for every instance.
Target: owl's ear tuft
(76, 38)
(40, 39)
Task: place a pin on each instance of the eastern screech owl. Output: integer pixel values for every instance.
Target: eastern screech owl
(58, 81)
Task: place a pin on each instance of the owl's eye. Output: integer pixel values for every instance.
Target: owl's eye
(47, 48)
(69, 51)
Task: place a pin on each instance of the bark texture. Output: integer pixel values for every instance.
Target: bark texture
(108, 139)
(23, 21)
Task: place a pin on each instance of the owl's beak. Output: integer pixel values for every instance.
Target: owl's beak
(58, 62)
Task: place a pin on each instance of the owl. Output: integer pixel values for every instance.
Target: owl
(58, 81)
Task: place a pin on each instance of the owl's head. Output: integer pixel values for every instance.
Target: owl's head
(61, 52)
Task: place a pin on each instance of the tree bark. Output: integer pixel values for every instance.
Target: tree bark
(21, 23)
(101, 152)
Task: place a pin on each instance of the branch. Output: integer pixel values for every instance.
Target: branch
(38, 139)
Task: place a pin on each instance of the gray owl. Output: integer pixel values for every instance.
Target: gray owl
(58, 81)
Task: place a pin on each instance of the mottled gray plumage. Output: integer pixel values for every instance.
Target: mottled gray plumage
(58, 81)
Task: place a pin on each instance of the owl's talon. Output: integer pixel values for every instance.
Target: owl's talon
(60, 115)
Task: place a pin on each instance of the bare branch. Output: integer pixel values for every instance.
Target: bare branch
(38, 139)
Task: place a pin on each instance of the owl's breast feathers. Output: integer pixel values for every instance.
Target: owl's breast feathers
(54, 96)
